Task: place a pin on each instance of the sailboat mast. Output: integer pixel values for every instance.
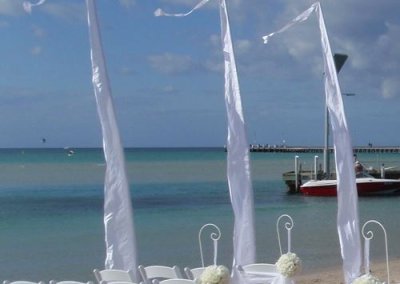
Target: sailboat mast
(326, 144)
(339, 60)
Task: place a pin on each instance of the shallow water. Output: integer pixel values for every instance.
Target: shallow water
(52, 223)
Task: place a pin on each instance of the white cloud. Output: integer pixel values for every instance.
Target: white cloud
(242, 46)
(169, 90)
(38, 32)
(36, 50)
(169, 63)
(127, 3)
(66, 10)
(127, 71)
(4, 24)
(11, 7)
(214, 65)
(391, 87)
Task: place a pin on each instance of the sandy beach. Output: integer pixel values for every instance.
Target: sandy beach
(335, 275)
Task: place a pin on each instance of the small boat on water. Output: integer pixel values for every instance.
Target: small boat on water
(366, 185)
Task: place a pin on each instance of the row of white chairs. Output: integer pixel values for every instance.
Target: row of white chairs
(153, 274)
(157, 274)
(43, 282)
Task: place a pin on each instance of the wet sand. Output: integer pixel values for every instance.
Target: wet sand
(335, 275)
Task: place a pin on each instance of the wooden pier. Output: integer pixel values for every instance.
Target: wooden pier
(302, 149)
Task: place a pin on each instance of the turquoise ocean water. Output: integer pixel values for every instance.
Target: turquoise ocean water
(51, 219)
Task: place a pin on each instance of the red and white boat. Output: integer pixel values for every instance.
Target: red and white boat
(365, 186)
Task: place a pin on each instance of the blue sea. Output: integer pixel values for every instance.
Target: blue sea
(51, 218)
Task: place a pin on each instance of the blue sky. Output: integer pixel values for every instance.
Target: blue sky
(167, 73)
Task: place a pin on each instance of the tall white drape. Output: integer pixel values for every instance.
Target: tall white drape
(347, 217)
(238, 161)
(118, 214)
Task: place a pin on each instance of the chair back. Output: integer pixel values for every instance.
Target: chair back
(159, 272)
(259, 268)
(113, 275)
(22, 282)
(69, 282)
(177, 281)
(288, 226)
(214, 236)
(117, 282)
(193, 273)
(257, 272)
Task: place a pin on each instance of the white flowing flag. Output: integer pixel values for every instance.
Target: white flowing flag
(238, 161)
(347, 218)
(28, 5)
(118, 214)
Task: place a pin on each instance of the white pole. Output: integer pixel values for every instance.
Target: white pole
(316, 167)
(326, 145)
(296, 171)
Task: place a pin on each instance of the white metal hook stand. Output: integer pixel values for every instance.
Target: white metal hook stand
(288, 226)
(369, 235)
(214, 236)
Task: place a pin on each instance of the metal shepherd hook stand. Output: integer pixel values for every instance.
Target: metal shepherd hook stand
(288, 225)
(369, 236)
(214, 236)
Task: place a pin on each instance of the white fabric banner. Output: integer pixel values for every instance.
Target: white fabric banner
(238, 158)
(118, 214)
(28, 5)
(347, 218)
(238, 161)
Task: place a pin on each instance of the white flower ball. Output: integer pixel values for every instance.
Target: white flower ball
(288, 264)
(367, 279)
(215, 275)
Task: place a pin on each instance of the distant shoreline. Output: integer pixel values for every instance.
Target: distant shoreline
(253, 148)
(320, 149)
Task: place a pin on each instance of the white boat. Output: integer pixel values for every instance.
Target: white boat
(366, 185)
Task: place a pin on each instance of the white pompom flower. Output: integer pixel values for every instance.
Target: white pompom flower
(367, 279)
(288, 264)
(215, 275)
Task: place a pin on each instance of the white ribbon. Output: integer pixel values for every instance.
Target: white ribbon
(28, 5)
(347, 217)
(238, 161)
(160, 12)
(300, 18)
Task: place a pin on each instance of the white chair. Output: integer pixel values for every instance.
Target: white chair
(69, 282)
(113, 275)
(195, 273)
(158, 272)
(177, 281)
(118, 282)
(266, 272)
(368, 236)
(22, 282)
(258, 272)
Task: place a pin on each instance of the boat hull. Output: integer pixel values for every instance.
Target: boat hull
(365, 187)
